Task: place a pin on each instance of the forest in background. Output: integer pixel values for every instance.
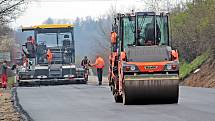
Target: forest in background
(9, 11)
(193, 28)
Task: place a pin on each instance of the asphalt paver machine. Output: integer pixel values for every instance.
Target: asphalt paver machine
(49, 56)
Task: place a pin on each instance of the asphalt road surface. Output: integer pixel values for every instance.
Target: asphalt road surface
(95, 103)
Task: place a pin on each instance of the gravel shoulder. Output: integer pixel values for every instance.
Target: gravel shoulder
(7, 110)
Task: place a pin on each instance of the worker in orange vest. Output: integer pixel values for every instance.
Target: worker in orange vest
(4, 68)
(99, 64)
(49, 56)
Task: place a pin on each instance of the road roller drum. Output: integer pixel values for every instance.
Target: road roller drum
(150, 91)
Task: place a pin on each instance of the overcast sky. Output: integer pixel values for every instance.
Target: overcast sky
(40, 10)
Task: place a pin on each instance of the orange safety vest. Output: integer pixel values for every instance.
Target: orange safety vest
(113, 37)
(49, 55)
(32, 41)
(175, 54)
(99, 63)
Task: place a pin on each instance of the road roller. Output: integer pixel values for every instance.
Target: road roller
(144, 68)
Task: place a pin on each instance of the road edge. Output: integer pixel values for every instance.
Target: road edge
(18, 107)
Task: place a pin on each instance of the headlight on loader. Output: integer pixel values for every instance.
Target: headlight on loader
(130, 68)
(170, 67)
(133, 68)
(69, 76)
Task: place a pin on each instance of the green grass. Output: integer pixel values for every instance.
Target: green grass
(187, 68)
(10, 81)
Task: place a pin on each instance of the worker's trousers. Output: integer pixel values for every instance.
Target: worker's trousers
(99, 73)
(4, 80)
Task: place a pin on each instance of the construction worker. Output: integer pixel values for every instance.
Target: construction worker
(31, 39)
(49, 56)
(99, 64)
(150, 33)
(30, 47)
(85, 63)
(4, 68)
(139, 38)
(15, 71)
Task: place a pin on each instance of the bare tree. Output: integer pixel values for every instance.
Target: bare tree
(193, 29)
(152, 5)
(6, 43)
(102, 38)
(163, 5)
(10, 9)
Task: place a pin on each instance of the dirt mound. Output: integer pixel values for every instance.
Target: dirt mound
(203, 77)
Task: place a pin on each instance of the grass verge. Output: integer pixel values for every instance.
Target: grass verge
(187, 68)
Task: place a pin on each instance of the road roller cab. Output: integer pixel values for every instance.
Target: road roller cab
(143, 66)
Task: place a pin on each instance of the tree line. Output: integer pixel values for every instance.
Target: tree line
(193, 28)
(9, 11)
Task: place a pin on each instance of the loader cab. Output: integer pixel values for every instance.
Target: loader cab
(142, 29)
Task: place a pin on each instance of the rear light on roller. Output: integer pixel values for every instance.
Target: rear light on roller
(174, 67)
(127, 68)
(170, 67)
(130, 68)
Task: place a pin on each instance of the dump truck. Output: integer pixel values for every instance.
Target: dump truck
(49, 56)
(144, 68)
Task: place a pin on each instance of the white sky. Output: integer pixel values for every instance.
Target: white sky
(39, 10)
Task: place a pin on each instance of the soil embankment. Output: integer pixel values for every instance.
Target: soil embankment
(203, 77)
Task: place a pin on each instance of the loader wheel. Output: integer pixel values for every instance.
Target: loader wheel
(118, 98)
